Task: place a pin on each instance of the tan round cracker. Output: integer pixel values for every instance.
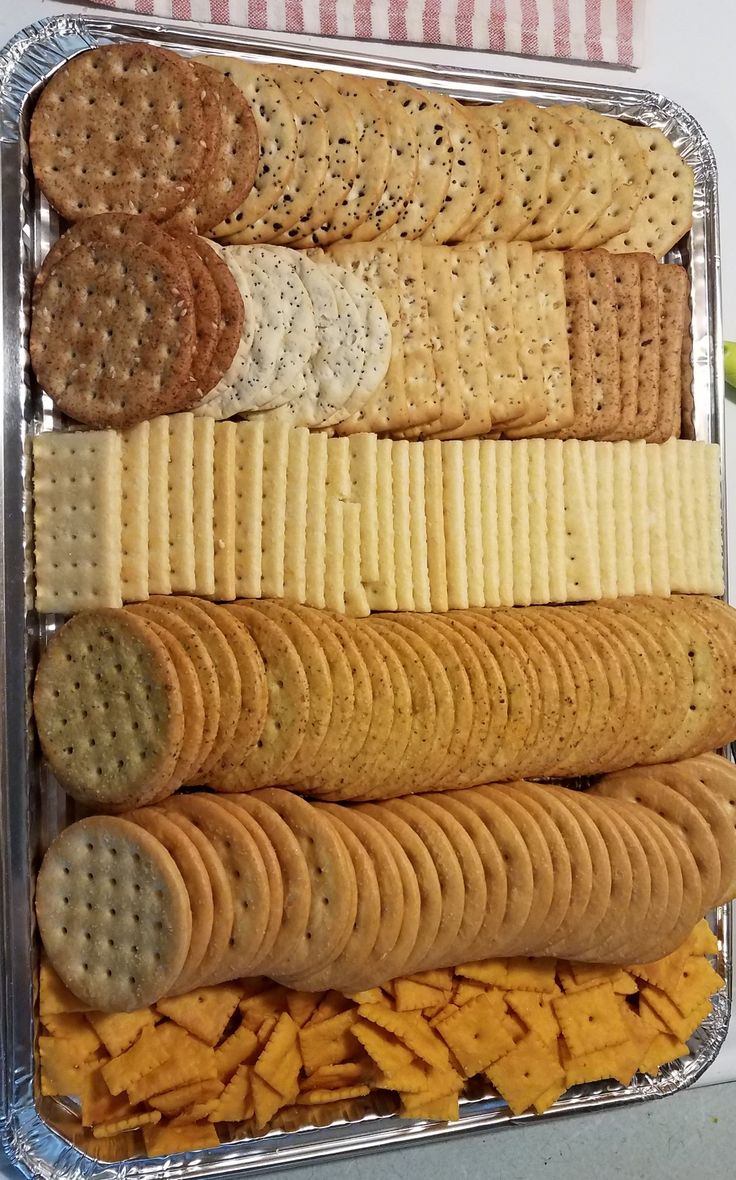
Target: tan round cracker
(624, 750)
(490, 706)
(226, 668)
(375, 840)
(449, 872)
(490, 178)
(402, 169)
(227, 184)
(666, 210)
(246, 875)
(463, 189)
(691, 908)
(476, 900)
(112, 334)
(651, 890)
(254, 690)
(564, 177)
(386, 780)
(192, 704)
(113, 914)
(522, 191)
(319, 685)
(196, 881)
(572, 721)
(108, 710)
(412, 774)
(288, 706)
(617, 911)
(434, 161)
(351, 960)
(594, 195)
(600, 893)
(592, 743)
(333, 888)
(202, 663)
(430, 894)
(129, 153)
(625, 941)
(222, 898)
(277, 137)
(716, 775)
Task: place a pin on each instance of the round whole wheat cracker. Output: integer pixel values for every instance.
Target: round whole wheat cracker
(192, 705)
(204, 669)
(113, 914)
(222, 898)
(592, 744)
(232, 329)
(692, 906)
(130, 153)
(247, 877)
(196, 882)
(333, 888)
(324, 628)
(207, 314)
(112, 335)
(108, 710)
(226, 185)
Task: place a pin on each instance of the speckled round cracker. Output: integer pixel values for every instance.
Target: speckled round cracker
(336, 365)
(666, 210)
(113, 914)
(277, 136)
(386, 779)
(108, 709)
(226, 669)
(112, 334)
(333, 889)
(573, 712)
(196, 881)
(402, 170)
(434, 161)
(490, 178)
(254, 690)
(130, 153)
(288, 706)
(463, 189)
(228, 183)
(522, 191)
(593, 197)
(203, 667)
(300, 334)
(246, 875)
(192, 704)
(564, 177)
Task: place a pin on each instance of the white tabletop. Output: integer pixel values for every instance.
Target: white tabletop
(689, 57)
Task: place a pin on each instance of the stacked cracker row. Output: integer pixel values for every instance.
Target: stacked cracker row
(317, 896)
(257, 509)
(131, 704)
(274, 1058)
(475, 340)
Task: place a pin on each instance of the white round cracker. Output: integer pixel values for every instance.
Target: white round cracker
(300, 334)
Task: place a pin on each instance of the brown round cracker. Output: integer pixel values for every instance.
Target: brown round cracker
(207, 314)
(113, 914)
(112, 334)
(232, 311)
(120, 128)
(108, 710)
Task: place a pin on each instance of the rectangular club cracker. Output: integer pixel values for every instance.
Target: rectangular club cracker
(522, 558)
(627, 293)
(657, 521)
(316, 519)
(688, 520)
(640, 518)
(159, 573)
(715, 516)
(673, 516)
(295, 531)
(580, 342)
(77, 520)
(204, 496)
(489, 522)
(453, 497)
(356, 601)
(625, 579)
(382, 593)
(249, 452)
(555, 486)
(402, 524)
(468, 311)
(549, 274)
(537, 495)
(604, 462)
(273, 510)
(606, 414)
(673, 286)
(418, 529)
(433, 507)
(223, 511)
(525, 315)
(181, 503)
(334, 574)
(473, 521)
(505, 523)
(134, 512)
(581, 547)
(649, 347)
(699, 494)
(363, 480)
(437, 272)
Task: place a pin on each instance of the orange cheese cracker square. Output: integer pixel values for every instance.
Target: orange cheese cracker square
(465, 990)
(680, 1026)
(318, 1097)
(153, 1048)
(167, 1140)
(589, 974)
(411, 996)
(531, 975)
(549, 1097)
(255, 1009)
(119, 1030)
(494, 971)
(174, 1101)
(410, 1028)
(590, 1019)
(371, 995)
(702, 940)
(97, 1103)
(236, 1100)
(536, 1011)
(440, 1108)
(527, 1072)
(331, 1004)
(280, 1061)
(663, 1049)
(476, 1035)
(334, 1076)
(131, 1122)
(410, 1079)
(73, 1026)
(240, 1046)
(204, 1012)
(386, 1050)
(195, 1113)
(697, 983)
(266, 1100)
(53, 996)
(301, 1005)
(329, 1042)
(191, 1062)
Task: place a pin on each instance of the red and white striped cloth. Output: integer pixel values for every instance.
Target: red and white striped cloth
(584, 30)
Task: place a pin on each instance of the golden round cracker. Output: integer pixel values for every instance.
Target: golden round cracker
(386, 780)
(207, 314)
(332, 888)
(617, 912)
(466, 165)
(288, 706)
(108, 710)
(402, 169)
(203, 666)
(546, 687)
(222, 898)
(113, 914)
(412, 772)
(196, 881)
(648, 897)
(564, 178)
(598, 693)
(600, 893)
(192, 704)
(129, 154)
(522, 190)
(490, 706)
(692, 906)
(434, 161)
(716, 775)
(246, 875)
(254, 690)
(574, 699)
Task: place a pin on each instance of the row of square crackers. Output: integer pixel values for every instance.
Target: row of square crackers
(229, 510)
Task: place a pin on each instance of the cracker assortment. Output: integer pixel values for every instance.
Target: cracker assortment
(184, 1072)
(617, 874)
(259, 509)
(343, 709)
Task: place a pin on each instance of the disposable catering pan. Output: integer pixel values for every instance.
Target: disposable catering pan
(42, 1135)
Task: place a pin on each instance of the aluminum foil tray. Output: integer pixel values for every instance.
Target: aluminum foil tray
(43, 1135)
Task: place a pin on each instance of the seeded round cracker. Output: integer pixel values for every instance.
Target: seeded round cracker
(196, 881)
(624, 751)
(222, 900)
(277, 139)
(254, 690)
(434, 161)
(112, 334)
(226, 668)
(246, 875)
(113, 914)
(375, 840)
(115, 228)
(522, 191)
(401, 176)
(192, 704)
(564, 178)
(333, 889)
(226, 185)
(463, 189)
(430, 894)
(490, 178)
(594, 195)
(665, 213)
(108, 710)
(570, 725)
(129, 155)
(204, 669)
